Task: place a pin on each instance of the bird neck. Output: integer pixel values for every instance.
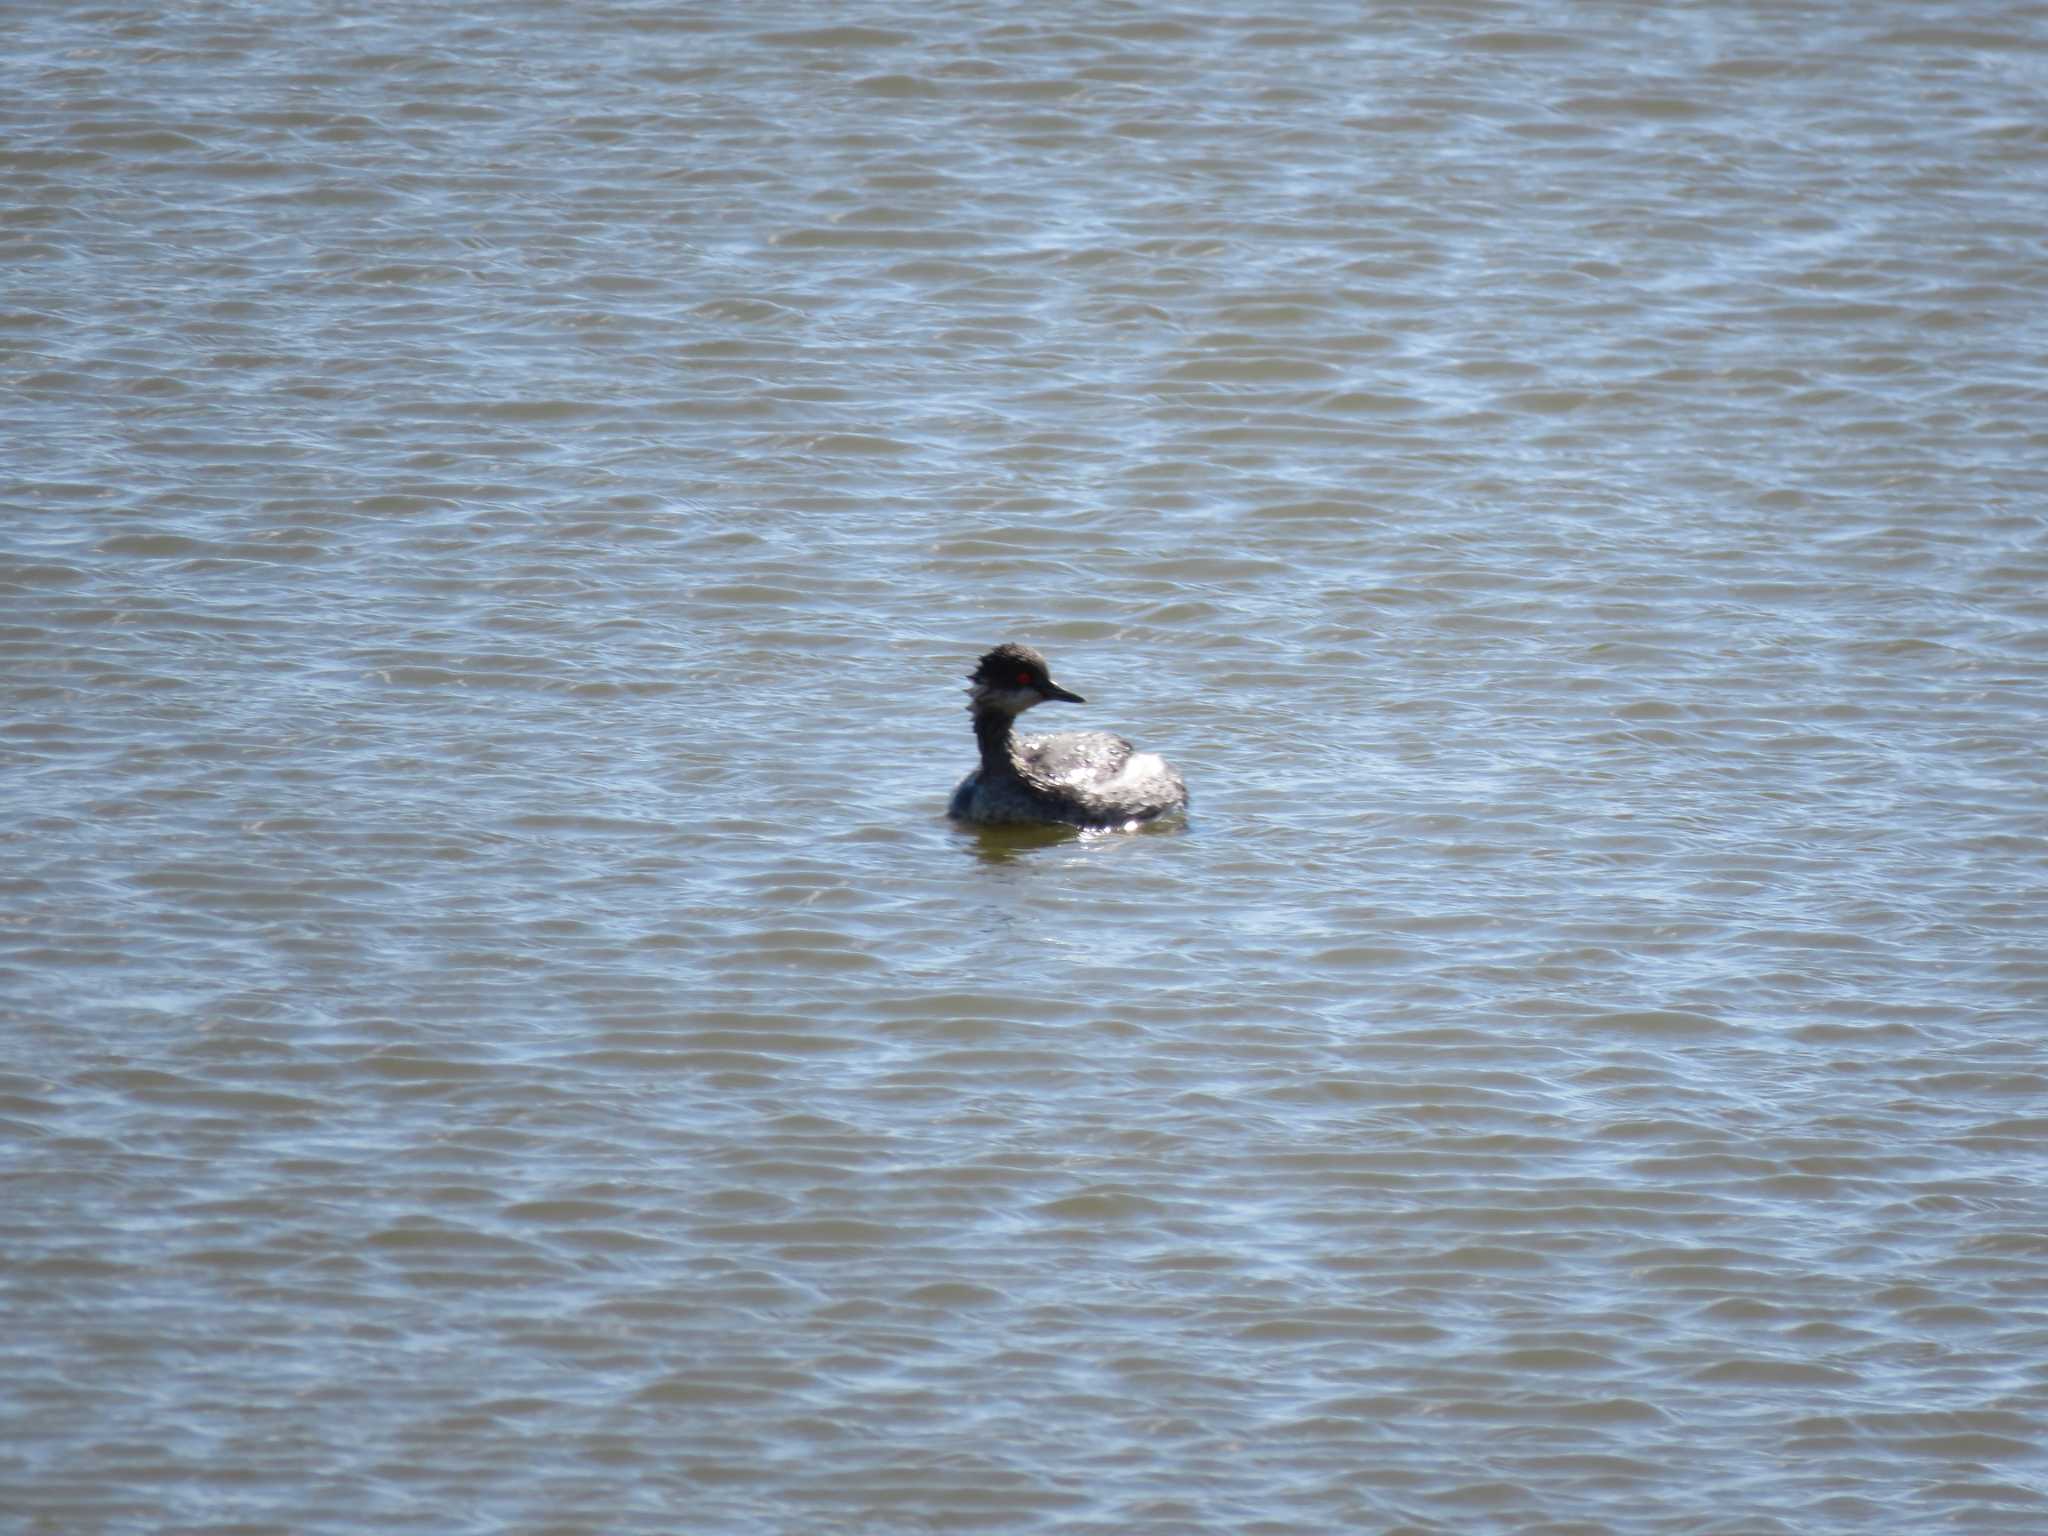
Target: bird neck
(992, 734)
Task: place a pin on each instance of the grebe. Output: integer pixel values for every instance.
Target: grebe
(1077, 778)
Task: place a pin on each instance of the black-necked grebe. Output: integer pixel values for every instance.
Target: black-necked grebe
(1077, 778)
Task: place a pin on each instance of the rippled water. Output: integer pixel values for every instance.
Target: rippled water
(501, 1038)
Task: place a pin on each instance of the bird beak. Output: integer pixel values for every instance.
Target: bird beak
(1054, 691)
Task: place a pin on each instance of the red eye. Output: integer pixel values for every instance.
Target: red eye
(1023, 679)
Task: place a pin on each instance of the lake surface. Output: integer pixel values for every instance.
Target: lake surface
(495, 507)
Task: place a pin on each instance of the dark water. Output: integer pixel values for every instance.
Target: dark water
(494, 507)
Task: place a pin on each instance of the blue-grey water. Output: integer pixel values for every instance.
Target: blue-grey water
(499, 1037)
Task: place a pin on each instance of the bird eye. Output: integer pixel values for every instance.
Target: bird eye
(1023, 679)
